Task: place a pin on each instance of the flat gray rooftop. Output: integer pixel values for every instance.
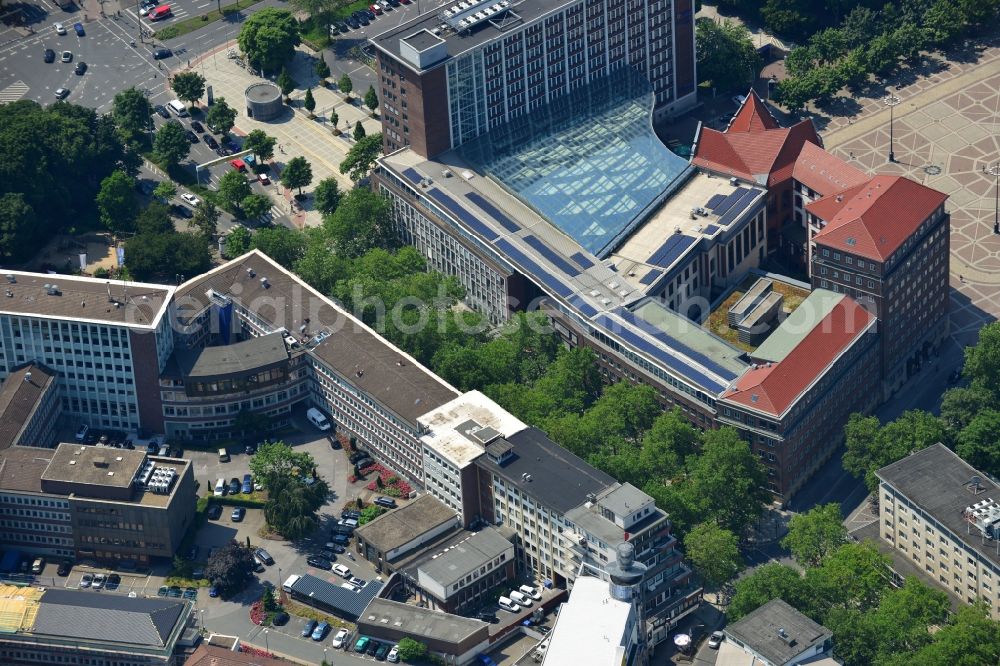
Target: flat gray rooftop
(94, 465)
(759, 631)
(400, 526)
(464, 557)
(238, 358)
(461, 42)
(421, 622)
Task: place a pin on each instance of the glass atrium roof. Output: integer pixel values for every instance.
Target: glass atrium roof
(588, 162)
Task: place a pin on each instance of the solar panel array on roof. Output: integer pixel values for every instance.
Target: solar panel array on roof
(659, 355)
(552, 256)
(651, 276)
(715, 201)
(710, 229)
(738, 206)
(532, 269)
(729, 200)
(674, 343)
(581, 259)
(412, 175)
(463, 215)
(504, 221)
(671, 250)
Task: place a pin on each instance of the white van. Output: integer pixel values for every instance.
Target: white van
(178, 108)
(223, 455)
(291, 580)
(317, 419)
(508, 605)
(220, 488)
(530, 591)
(521, 598)
(341, 571)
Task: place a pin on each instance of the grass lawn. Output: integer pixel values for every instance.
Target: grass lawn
(196, 22)
(718, 323)
(314, 32)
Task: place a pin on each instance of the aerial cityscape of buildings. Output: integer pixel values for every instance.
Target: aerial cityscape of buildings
(760, 283)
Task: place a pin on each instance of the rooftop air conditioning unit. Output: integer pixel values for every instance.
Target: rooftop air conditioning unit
(734, 181)
(446, 173)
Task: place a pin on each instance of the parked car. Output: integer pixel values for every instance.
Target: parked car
(190, 593)
(340, 638)
(50, 55)
(81, 433)
(60, 29)
(160, 54)
(99, 581)
(375, 9)
(372, 648)
(190, 199)
(347, 513)
(64, 568)
(487, 616)
(81, 68)
(264, 180)
(247, 484)
(341, 539)
(334, 547)
(319, 633)
(386, 502)
(319, 562)
(308, 628)
(191, 136)
(78, 27)
(341, 26)
(175, 592)
(114, 580)
(88, 579)
(362, 644)
(361, 17)
(211, 143)
(67, 56)
(237, 514)
(213, 591)
(382, 651)
(197, 127)
(234, 486)
(214, 511)
(393, 656)
(264, 556)
(352, 23)
(716, 639)
(357, 582)
(280, 619)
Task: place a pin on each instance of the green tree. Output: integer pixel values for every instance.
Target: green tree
(870, 447)
(371, 99)
(792, 18)
(370, 513)
(345, 85)
(17, 225)
(268, 600)
(260, 144)
(726, 55)
(853, 576)
(362, 221)
(362, 156)
(132, 113)
(667, 444)
(309, 103)
(943, 22)
(165, 190)
(292, 504)
(359, 131)
(116, 201)
(282, 244)
(960, 405)
(251, 424)
(238, 242)
(726, 483)
(970, 638)
(815, 534)
(269, 38)
(255, 206)
(322, 69)
(327, 195)
(188, 86)
(296, 174)
(234, 188)
(979, 442)
(206, 219)
(769, 581)
(221, 116)
(277, 459)
(285, 82)
(411, 650)
(171, 145)
(230, 568)
(150, 257)
(982, 361)
(154, 219)
(714, 552)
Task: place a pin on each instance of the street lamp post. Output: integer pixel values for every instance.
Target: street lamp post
(891, 101)
(266, 645)
(994, 170)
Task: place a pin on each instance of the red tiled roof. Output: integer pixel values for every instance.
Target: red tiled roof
(753, 116)
(873, 219)
(773, 389)
(754, 146)
(824, 173)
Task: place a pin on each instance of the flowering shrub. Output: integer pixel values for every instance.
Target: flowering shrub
(257, 613)
(392, 485)
(255, 651)
(351, 478)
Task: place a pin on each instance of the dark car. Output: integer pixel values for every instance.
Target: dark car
(182, 211)
(352, 22)
(386, 502)
(361, 17)
(280, 619)
(264, 556)
(192, 137)
(174, 592)
(247, 487)
(336, 548)
(319, 562)
(328, 554)
(79, 29)
(81, 68)
(347, 513)
(114, 581)
(64, 568)
(307, 629)
(162, 111)
(341, 26)
(50, 55)
(370, 13)
(214, 511)
(372, 648)
(160, 54)
(487, 616)
(237, 514)
(234, 486)
(383, 650)
(214, 145)
(197, 127)
(341, 539)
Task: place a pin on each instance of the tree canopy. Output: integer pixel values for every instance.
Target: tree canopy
(726, 55)
(327, 195)
(871, 446)
(269, 38)
(116, 202)
(361, 222)
(152, 257)
(282, 244)
(815, 534)
(714, 552)
(171, 144)
(132, 113)
(278, 459)
(361, 157)
(221, 116)
(296, 174)
(261, 144)
(234, 188)
(188, 86)
(230, 568)
(238, 241)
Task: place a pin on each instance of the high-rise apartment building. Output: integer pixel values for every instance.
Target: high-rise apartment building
(456, 72)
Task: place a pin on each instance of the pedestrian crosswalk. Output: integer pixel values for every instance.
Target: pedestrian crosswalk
(13, 92)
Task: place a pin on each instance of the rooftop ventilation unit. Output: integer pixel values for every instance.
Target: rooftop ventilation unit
(985, 515)
(734, 181)
(52, 289)
(264, 283)
(11, 279)
(251, 272)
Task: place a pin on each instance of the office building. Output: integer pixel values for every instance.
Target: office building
(776, 635)
(107, 340)
(95, 502)
(459, 71)
(393, 535)
(460, 575)
(942, 517)
(594, 627)
(454, 639)
(73, 627)
(886, 243)
(819, 366)
(30, 408)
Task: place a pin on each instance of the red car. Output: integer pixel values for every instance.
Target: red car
(375, 9)
(238, 164)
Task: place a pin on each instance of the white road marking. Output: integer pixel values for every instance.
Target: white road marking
(14, 92)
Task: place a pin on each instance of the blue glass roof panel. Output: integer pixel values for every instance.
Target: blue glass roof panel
(737, 207)
(711, 229)
(501, 219)
(412, 174)
(534, 270)
(463, 215)
(671, 250)
(715, 200)
(581, 259)
(651, 276)
(552, 256)
(588, 161)
(730, 199)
